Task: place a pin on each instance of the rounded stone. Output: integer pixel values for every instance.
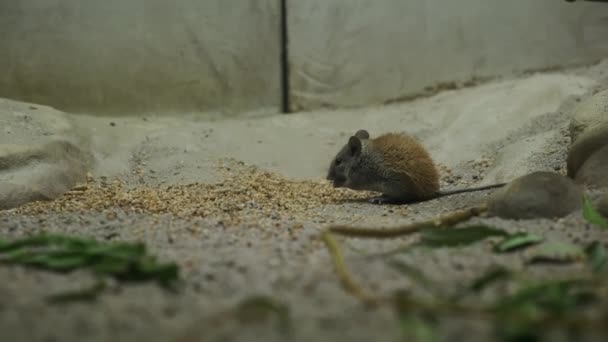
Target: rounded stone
(42, 154)
(593, 174)
(586, 145)
(591, 113)
(536, 195)
(588, 130)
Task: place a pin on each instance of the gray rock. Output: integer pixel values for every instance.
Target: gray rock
(587, 143)
(536, 195)
(588, 130)
(42, 155)
(593, 174)
(590, 114)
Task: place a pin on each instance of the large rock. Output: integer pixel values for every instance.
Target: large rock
(593, 173)
(536, 195)
(588, 130)
(589, 115)
(42, 154)
(523, 157)
(586, 144)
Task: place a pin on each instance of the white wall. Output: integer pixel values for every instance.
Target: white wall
(140, 55)
(356, 52)
(124, 56)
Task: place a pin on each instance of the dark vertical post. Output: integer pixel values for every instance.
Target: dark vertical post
(284, 58)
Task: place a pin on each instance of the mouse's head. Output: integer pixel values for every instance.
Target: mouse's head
(347, 160)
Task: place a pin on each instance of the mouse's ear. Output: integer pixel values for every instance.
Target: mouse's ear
(354, 144)
(362, 134)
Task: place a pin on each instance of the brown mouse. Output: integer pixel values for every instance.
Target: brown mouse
(393, 164)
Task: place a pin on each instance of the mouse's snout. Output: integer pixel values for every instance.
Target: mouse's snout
(338, 182)
(331, 174)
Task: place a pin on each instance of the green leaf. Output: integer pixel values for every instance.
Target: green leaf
(4, 245)
(149, 268)
(52, 260)
(418, 328)
(597, 257)
(122, 250)
(417, 324)
(517, 331)
(519, 314)
(40, 240)
(557, 252)
(59, 253)
(46, 240)
(592, 215)
(451, 237)
(555, 297)
(109, 265)
(64, 264)
(517, 241)
(491, 276)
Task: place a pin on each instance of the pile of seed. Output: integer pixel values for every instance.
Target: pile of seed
(244, 190)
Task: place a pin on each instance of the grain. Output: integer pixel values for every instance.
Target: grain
(245, 190)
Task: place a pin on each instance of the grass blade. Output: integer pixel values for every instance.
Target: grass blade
(58, 253)
(592, 215)
(418, 328)
(557, 252)
(597, 257)
(517, 241)
(556, 297)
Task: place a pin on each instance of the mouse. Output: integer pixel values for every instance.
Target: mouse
(393, 164)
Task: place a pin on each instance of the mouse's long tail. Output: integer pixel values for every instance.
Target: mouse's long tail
(459, 191)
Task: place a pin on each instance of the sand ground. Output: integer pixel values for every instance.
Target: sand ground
(247, 231)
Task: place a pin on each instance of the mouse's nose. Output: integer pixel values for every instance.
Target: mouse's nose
(338, 182)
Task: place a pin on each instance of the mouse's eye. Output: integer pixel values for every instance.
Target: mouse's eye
(338, 161)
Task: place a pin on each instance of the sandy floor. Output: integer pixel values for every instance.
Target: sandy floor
(243, 231)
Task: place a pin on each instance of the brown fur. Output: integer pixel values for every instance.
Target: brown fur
(406, 157)
(394, 164)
